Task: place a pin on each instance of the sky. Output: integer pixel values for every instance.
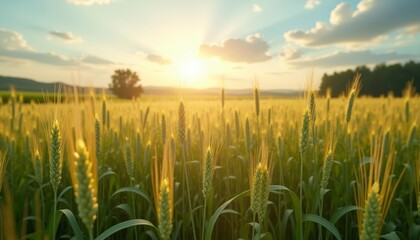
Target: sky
(280, 44)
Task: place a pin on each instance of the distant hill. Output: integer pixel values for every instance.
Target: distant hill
(29, 85)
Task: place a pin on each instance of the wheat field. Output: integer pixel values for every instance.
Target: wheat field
(87, 167)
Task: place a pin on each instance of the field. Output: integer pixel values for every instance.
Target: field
(218, 168)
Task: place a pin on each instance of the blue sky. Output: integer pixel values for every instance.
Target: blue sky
(198, 43)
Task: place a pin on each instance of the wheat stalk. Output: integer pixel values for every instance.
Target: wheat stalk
(181, 122)
(55, 156)
(163, 190)
(129, 159)
(375, 186)
(304, 135)
(3, 164)
(257, 100)
(38, 168)
(163, 128)
(326, 170)
(355, 88)
(104, 111)
(417, 164)
(372, 215)
(84, 188)
(97, 138)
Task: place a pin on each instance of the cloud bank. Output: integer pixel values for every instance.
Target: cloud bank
(14, 46)
(253, 49)
(89, 2)
(310, 4)
(65, 36)
(158, 59)
(339, 59)
(370, 21)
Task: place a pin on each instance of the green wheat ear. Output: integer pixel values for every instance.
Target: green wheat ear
(129, 159)
(256, 189)
(263, 197)
(207, 173)
(304, 136)
(372, 215)
(84, 190)
(104, 112)
(350, 105)
(55, 156)
(312, 105)
(38, 168)
(181, 123)
(326, 170)
(164, 211)
(248, 134)
(257, 101)
(163, 128)
(98, 138)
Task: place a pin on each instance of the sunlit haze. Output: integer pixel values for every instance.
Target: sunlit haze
(279, 43)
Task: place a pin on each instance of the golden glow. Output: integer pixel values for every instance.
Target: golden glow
(192, 69)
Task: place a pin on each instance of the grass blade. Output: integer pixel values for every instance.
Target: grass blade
(124, 225)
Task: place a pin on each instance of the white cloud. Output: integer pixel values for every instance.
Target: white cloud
(351, 58)
(310, 4)
(251, 50)
(291, 53)
(89, 2)
(96, 60)
(10, 40)
(256, 8)
(65, 36)
(341, 13)
(370, 20)
(158, 59)
(14, 46)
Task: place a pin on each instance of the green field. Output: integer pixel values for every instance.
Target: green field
(217, 168)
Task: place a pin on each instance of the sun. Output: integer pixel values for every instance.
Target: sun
(192, 68)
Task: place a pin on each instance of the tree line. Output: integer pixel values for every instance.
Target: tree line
(381, 80)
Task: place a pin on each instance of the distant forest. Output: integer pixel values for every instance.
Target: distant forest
(381, 80)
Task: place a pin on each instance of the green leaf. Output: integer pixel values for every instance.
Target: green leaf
(34, 236)
(390, 236)
(341, 212)
(324, 222)
(296, 206)
(64, 191)
(217, 213)
(126, 208)
(124, 225)
(109, 172)
(135, 190)
(73, 223)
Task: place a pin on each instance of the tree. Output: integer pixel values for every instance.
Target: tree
(380, 80)
(125, 84)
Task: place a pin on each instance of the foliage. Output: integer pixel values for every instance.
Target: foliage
(125, 84)
(129, 207)
(380, 80)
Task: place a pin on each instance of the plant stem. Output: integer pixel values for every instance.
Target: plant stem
(204, 218)
(301, 196)
(134, 207)
(346, 178)
(188, 189)
(91, 233)
(253, 225)
(42, 206)
(321, 207)
(55, 209)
